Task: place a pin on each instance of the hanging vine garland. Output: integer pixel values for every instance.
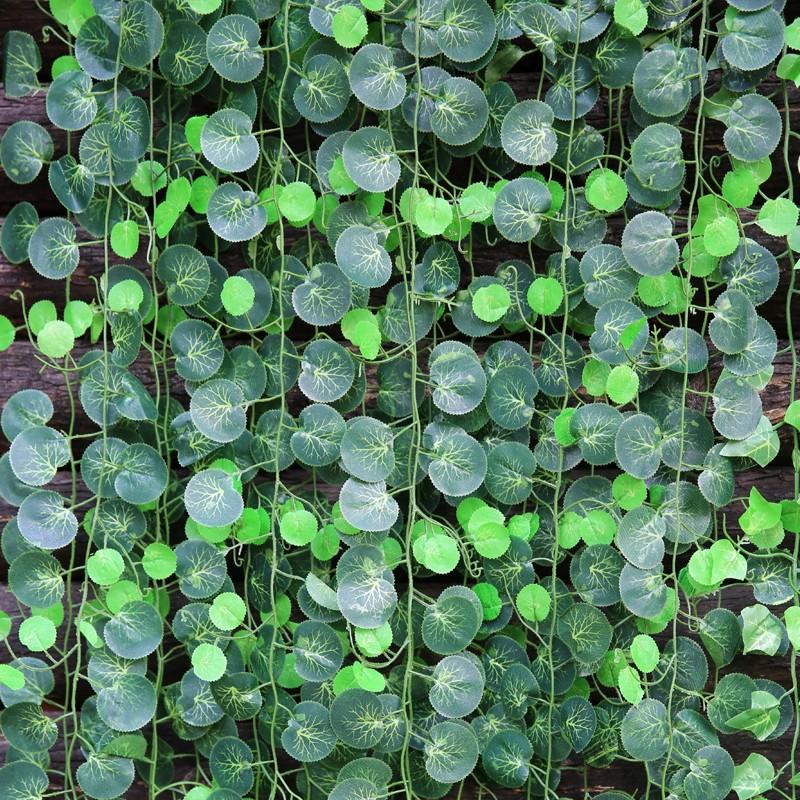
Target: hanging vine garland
(362, 509)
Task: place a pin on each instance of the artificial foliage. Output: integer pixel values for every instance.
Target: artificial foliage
(413, 392)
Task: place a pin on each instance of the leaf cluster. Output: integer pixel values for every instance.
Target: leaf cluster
(408, 405)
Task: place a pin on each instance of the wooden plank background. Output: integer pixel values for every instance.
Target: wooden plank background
(20, 368)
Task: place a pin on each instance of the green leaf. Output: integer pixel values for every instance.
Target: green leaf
(792, 35)
(11, 677)
(711, 773)
(298, 527)
(533, 602)
(761, 630)
(26, 776)
(778, 217)
(203, 188)
(233, 48)
(37, 634)
(55, 339)
(622, 384)
(438, 552)
(645, 730)
(432, 215)
(149, 178)
(631, 331)
(792, 415)
(105, 566)
(451, 753)
(629, 685)
(297, 201)
(237, 295)
(791, 618)
(721, 236)
(349, 26)
(125, 296)
(490, 600)
(159, 560)
(761, 513)
(628, 491)
(490, 303)
(605, 189)
(476, 202)
(374, 642)
(545, 296)
(644, 652)
(631, 15)
(720, 562)
(753, 776)
(7, 333)
(204, 6)
(40, 313)
(64, 64)
(125, 239)
(194, 128)
(761, 718)
(208, 662)
(739, 188)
